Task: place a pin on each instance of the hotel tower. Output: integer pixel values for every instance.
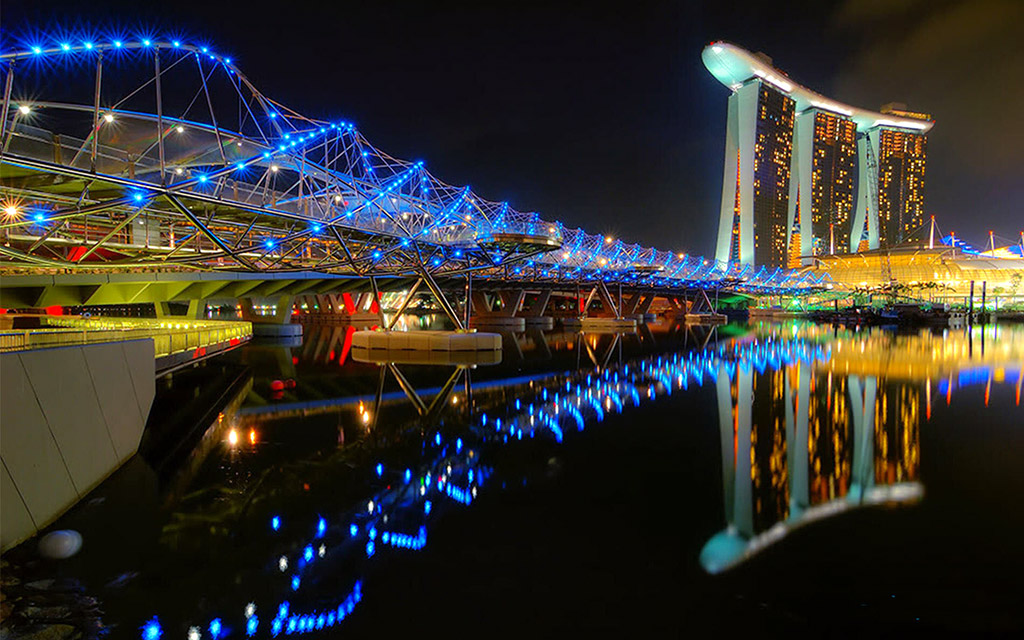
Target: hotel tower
(805, 175)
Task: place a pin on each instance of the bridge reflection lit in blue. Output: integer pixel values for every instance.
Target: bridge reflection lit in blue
(800, 441)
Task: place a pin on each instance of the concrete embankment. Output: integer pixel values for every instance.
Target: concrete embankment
(69, 416)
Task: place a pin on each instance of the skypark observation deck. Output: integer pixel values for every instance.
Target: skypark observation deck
(146, 156)
(732, 66)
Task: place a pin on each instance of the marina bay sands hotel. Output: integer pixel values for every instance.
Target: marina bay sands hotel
(808, 176)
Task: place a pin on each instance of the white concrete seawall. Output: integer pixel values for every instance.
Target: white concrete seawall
(69, 417)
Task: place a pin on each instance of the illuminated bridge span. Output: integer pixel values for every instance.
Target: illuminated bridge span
(148, 156)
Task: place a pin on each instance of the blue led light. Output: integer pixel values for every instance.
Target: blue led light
(176, 43)
(146, 43)
(39, 217)
(117, 44)
(321, 527)
(282, 610)
(273, 115)
(353, 530)
(37, 50)
(152, 630)
(240, 166)
(202, 177)
(295, 583)
(307, 553)
(380, 469)
(205, 50)
(268, 243)
(215, 628)
(369, 549)
(408, 475)
(227, 60)
(250, 626)
(426, 507)
(376, 255)
(88, 45)
(138, 197)
(437, 439)
(65, 46)
(275, 523)
(458, 445)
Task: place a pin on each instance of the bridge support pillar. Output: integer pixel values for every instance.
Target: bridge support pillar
(507, 318)
(196, 310)
(609, 317)
(278, 324)
(637, 306)
(533, 313)
(339, 308)
(703, 310)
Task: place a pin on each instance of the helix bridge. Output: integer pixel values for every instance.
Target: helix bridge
(144, 155)
(404, 497)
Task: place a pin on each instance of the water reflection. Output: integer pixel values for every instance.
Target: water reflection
(808, 440)
(295, 494)
(425, 468)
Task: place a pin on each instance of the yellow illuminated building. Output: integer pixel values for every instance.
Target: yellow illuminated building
(936, 274)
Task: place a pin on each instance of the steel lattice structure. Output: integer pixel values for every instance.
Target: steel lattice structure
(149, 155)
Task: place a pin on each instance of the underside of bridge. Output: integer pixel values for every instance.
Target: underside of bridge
(349, 296)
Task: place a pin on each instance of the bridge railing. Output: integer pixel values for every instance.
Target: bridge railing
(397, 215)
(169, 336)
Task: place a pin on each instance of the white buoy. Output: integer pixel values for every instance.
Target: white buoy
(58, 545)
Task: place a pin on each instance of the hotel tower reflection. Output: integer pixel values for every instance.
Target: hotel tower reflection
(808, 440)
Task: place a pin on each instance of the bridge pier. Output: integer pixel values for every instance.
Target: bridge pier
(703, 311)
(340, 308)
(196, 310)
(277, 325)
(499, 312)
(534, 313)
(609, 317)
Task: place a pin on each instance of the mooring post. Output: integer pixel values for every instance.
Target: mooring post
(983, 283)
(970, 306)
(469, 296)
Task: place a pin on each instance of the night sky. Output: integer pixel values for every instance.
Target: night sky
(604, 116)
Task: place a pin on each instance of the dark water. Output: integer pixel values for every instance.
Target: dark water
(662, 483)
